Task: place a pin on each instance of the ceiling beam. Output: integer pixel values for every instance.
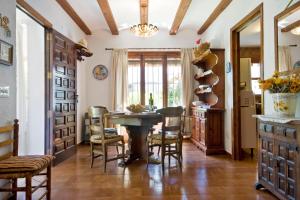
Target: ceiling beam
(214, 15)
(144, 11)
(72, 13)
(181, 11)
(105, 8)
(291, 26)
(35, 14)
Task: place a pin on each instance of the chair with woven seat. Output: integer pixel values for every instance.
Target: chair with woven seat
(94, 113)
(170, 137)
(13, 167)
(100, 141)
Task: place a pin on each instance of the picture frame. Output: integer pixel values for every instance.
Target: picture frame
(6, 53)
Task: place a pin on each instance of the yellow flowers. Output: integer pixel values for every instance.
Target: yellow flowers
(281, 84)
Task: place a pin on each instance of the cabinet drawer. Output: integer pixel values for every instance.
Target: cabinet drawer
(291, 133)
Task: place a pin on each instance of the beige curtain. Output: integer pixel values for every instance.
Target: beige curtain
(187, 71)
(284, 58)
(119, 79)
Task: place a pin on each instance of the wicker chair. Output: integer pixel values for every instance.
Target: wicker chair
(170, 137)
(13, 167)
(100, 140)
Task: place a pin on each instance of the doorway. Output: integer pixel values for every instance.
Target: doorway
(30, 84)
(247, 48)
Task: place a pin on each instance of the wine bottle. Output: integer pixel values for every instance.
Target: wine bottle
(151, 102)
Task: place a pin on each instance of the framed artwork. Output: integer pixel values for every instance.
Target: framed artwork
(6, 53)
(100, 72)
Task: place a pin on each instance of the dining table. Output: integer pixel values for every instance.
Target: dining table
(138, 126)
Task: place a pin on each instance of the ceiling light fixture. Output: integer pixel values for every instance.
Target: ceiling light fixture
(296, 31)
(144, 30)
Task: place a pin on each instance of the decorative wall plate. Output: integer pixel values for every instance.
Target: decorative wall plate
(100, 72)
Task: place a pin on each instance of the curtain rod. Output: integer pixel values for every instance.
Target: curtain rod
(110, 49)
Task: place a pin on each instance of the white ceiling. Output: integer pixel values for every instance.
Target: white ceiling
(127, 13)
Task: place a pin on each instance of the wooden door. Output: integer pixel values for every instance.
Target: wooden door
(64, 97)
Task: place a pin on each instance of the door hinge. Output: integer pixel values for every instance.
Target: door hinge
(49, 75)
(49, 114)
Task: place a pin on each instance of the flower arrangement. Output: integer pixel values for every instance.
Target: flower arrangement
(281, 84)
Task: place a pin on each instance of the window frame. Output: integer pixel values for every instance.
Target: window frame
(163, 55)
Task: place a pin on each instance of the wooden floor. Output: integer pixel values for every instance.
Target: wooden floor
(202, 178)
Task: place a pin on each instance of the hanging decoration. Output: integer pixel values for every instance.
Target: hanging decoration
(4, 23)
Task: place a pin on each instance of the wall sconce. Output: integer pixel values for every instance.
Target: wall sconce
(4, 21)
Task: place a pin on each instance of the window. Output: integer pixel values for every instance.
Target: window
(255, 76)
(158, 73)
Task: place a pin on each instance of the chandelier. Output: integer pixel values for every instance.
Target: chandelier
(144, 30)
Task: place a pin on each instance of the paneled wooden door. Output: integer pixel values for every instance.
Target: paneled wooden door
(64, 99)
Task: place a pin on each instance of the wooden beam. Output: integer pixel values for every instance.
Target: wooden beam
(181, 11)
(35, 14)
(72, 13)
(291, 26)
(105, 8)
(214, 15)
(144, 11)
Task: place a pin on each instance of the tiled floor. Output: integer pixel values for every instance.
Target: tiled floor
(213, 177)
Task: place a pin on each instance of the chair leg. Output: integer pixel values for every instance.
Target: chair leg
(49, 182)
(163, 150)
(117, 150)
(169, 155)
(123, 152)
(147, 147)
(158, 150)
(28, 188)
(92, 159)
(105, 156)
(14, 187)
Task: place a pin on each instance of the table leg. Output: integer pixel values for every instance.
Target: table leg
(137, 142)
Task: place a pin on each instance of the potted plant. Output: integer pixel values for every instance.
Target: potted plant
(284, 91)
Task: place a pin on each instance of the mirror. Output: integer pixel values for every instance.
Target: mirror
(287, 39)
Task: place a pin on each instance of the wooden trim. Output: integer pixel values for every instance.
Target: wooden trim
(155, 54)
(214, 15)
(144, 11)
(143, 89)
(291, 26)
(181, 11)
(288, 11)
(35, 14)
(72, 13)
(165, 80)
(235, 48)
(107, 13)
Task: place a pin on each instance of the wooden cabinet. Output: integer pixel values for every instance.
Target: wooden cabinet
(208, 130)
(279, 160)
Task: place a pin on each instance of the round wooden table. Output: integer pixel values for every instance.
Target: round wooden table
(137, 126)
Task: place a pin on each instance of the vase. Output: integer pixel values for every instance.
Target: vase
(284, 104)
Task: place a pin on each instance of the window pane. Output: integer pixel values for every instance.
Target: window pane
(154, 81)
(174, 83)
(134, 82)
(255, 70)
(255, 87)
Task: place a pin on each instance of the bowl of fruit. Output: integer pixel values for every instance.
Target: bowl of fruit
(136, 108)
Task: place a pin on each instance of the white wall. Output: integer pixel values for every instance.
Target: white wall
(30, 85)
(219, 36)
(99, 92)
(61, 21)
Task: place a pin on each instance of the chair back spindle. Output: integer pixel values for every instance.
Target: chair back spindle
(13, 131)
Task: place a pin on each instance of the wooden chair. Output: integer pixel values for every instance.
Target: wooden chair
(94, 113)
(170, 138)
(13, 166)
(100, 141)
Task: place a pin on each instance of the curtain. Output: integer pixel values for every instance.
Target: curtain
(187, 72)
(284, 58)
(119, 79)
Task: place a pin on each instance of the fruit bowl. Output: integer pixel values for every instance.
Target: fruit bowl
(138, 108)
